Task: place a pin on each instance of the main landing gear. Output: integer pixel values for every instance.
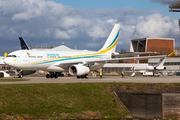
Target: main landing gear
(51, 76)
(54, 75)
(82, 77)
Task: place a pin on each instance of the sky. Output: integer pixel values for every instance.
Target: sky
(85, 24)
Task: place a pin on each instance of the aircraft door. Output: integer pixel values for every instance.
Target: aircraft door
(25, 59)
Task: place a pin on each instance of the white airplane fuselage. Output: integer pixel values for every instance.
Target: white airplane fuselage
(46, 60)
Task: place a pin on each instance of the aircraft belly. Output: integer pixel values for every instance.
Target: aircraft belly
(55, 68)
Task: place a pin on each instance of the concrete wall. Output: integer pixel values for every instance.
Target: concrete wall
(151, 105)
(171, 105)
(147, 106)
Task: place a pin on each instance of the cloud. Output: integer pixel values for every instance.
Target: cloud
(43, 22)
(156, 25)
(165, 2)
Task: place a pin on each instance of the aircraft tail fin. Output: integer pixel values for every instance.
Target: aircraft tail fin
(160, 63)
(24, 46)
(162, 60)
(111, 42)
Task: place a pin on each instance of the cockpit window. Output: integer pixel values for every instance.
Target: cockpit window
(11, 56)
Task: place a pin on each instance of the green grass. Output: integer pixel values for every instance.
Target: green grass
(10, 80)
(58, 100)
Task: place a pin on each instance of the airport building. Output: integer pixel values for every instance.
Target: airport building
(161, 45)
(171, 63)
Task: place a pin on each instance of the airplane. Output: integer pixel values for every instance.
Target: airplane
(78, 63)
(150, 70)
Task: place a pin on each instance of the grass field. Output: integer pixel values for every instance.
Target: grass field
(10, 80)
(57, 101)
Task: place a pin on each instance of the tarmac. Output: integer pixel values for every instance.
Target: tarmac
(105, 79)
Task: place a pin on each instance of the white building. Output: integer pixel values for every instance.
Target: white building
(171, 63)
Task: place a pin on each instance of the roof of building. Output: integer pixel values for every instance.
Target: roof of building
(62, 47)
(152, 38)
(175, 5)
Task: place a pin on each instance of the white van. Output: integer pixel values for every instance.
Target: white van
(4, 74)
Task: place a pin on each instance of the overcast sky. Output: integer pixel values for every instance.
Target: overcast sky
(85, 24)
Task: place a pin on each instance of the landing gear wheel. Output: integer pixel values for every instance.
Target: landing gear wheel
(47, 76)
(86, 76)
(52, 75)
(20, 76)
(82, 76)
(55, 76)
(78, 77)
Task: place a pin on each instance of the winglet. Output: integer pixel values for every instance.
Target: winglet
(171, 54)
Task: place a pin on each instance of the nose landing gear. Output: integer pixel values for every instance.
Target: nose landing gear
(18, 74)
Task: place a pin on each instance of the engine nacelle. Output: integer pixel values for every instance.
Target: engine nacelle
(78, 70)
(159, 68)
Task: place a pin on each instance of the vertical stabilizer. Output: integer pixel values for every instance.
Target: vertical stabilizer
(160, 63)
(24, 46)
(111, 42)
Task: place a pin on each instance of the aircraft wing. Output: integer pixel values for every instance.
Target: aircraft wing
(91, 62)
(132, 54)
(139, 58)
(117, 55)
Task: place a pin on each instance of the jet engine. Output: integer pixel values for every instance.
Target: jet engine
(159, 68)
(78, 70)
